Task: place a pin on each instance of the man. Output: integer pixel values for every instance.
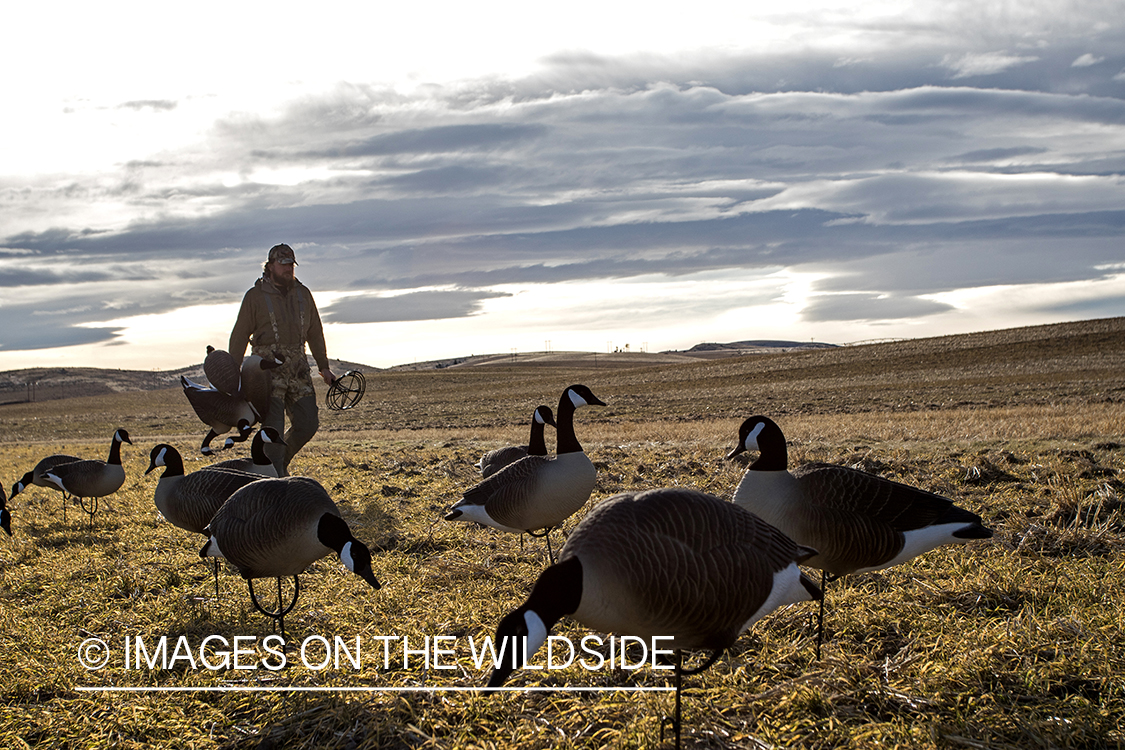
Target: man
(278, 315)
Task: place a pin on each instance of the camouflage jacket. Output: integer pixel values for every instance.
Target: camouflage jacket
(270, 319)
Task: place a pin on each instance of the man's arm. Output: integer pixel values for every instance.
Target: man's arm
(243, 328)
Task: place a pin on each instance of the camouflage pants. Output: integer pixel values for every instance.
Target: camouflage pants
(292, 395)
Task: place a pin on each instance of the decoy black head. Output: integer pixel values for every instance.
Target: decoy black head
(544, 415)
(23, 483)
(762, 434)
(580, 395)
(333, 532)
(122, 436)
(164, 455)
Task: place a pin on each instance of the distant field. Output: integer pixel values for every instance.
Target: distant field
(1015, 643)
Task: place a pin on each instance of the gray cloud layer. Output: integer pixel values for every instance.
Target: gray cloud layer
(918, 171)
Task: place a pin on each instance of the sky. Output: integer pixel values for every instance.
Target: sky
(504, 177)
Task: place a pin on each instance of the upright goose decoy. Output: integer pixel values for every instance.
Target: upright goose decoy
(274, 528)
(220, 411)
(536, 492)
(92, 478)
(190, 501)
(859, 522)
(494, 461)
(665, 562)
(38, 476)
(259, 462)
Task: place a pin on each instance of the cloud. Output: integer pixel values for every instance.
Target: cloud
(983, 63)
(867, 307)
(425, 305)
(1086, 61)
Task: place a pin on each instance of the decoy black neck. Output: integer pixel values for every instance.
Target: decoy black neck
(333, 532)
(564, 426)
(537, 444)
(173, 463)
(115, 452)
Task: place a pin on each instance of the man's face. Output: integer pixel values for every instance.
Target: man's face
(281, 274)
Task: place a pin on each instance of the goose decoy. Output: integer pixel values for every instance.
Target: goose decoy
(254, 382)
(259, 462)
(221, 370)
(859, 522)
(494, 461)
(220, 411)
(665, 562)
(536, 492)
(92, 478)
(38, 476)
(190, 501)
(275, 528)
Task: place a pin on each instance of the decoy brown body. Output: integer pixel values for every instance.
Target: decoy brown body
(92, 478)
(278, 527)
(221, 370)
(190, 501)
(495, 460)
(668, 562)
(536, 492)
(255, 380)
(857, 521)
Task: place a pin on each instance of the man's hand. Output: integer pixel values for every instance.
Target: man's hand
(329, 378)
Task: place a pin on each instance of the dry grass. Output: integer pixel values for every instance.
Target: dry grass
(1014, 643)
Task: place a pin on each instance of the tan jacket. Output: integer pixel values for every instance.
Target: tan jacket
(296, 317)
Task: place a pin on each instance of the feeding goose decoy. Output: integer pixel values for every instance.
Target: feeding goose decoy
(495, 460)
(258, 462)
(536, 492)
(92, 479)
(275, 528)
(858, 522)
(190, 501)
(38, 476)
(665, 562)
(220, 411)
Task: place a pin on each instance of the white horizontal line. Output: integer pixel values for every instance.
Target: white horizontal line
(300, 689)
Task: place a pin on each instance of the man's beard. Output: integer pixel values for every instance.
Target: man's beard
(284, 283)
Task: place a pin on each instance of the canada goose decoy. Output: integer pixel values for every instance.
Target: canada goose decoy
(494, 461)
(274, 528)
(859, 522)
(38, 476)
(258, 462)
(220, 411)
(254, 383)
(221, 370)
(92, 478)
(665, 562)
(190, 501)
(536, 492)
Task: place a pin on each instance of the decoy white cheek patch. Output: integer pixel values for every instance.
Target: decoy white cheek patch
(577, 400)
(346, 557)
(160, 457)
(752, 438)
(536, 633)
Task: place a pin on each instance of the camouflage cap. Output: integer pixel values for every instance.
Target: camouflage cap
(282, 254)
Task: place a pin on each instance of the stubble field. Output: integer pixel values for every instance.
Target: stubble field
(1015, 642)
